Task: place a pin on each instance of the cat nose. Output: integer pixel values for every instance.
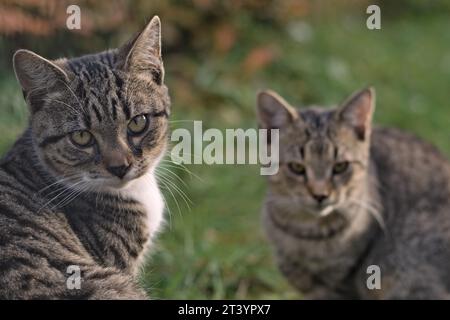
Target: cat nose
(320, 197)
(119, 171)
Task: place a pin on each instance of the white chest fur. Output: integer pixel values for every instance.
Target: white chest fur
(145, 190)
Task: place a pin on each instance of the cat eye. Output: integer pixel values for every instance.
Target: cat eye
(340, 167)
(138, 124)
(297, 168)
(82, 138)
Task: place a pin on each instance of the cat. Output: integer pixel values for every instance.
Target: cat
(351, 203)
(77, 189)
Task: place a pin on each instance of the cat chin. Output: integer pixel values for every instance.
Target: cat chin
(312, 228)
(112, 185)
(317, 213)
(116, 185)
(326, 211)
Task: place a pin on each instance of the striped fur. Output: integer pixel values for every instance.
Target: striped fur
(62, 204)
(389, 207)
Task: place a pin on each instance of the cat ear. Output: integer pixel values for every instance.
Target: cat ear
(357, 112)
(143, 52)
(273, 111)
(35, 72)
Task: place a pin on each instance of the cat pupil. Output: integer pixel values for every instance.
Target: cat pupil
(138, 124)
(340, 167)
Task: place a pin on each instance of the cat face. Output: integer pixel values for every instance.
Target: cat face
(323, 152)
(99, 120)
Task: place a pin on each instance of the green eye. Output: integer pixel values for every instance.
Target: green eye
(297, 168)
(340, 167)
(138, 124)
(82, 138)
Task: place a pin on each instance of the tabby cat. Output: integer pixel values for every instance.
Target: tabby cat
(351, 203)
(78, 190)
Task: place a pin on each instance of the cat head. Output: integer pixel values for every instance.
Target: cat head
(101, 119)
(324, 153)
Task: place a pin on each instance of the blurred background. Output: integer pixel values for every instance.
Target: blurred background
(217, 55)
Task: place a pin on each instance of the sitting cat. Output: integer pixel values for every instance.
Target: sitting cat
(77, 190)
(347, 197)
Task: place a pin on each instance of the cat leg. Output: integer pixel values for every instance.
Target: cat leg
(417, 291)
(105, 283)
(305, 282)
(419, 283)
(48, 283)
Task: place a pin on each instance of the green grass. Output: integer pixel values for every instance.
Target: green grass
(217, 248)
(13, 112)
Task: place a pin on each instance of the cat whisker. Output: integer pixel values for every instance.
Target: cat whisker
(63, 179)
(72, 191)
(180, 165)
(166, 205)
(73, 93)
(178, 190)
(373, 211)
(60, 188)
(62, 102)
(195, 156)
(62, 192)
(173, 174)
(170, 191)
(71, 196)
(171, 164)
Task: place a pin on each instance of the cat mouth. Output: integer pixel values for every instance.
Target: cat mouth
(327, 226)
(108, 184)
(115, 183)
